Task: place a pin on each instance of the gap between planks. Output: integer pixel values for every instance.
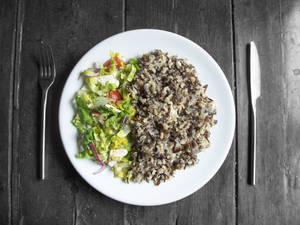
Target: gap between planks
(13, 177)
(236, 112)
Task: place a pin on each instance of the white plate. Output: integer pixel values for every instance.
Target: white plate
(135, 43)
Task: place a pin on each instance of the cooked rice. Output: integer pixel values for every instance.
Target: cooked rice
(173, 120)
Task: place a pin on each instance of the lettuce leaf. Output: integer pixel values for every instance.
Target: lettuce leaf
(83, 111)
(120, 169)
(78, 124)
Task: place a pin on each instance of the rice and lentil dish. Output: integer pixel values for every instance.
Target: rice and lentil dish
(173, 117)
(144, 118)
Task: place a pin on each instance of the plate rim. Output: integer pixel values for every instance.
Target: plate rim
(228, 144)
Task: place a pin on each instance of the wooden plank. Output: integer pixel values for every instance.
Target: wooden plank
(8, 11)
(274, 26)
(208, 23)
(71, 27)
(290, 39)
(149, 14)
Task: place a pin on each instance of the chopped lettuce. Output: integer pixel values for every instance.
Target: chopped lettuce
(121, 169)
(123, 132)
(113, 122)
(83, 111)
(77, 123)
(108, 87)
(100, 121)
(131, 70)
(118, 142)
(93, 84)
(90, 72)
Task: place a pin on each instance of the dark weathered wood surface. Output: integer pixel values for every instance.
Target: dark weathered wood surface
(275, 26)
(71, 27)
(214, 34)
(8, 11)
(223, 28)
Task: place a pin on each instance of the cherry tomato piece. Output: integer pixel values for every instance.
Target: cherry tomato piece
(107, 64)
(119, 63)
(114, 96)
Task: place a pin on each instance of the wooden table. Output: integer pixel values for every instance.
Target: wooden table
(221, 27)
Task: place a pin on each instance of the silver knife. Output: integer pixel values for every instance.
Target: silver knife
(255, 86)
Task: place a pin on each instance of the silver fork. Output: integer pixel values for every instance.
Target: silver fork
(46, 79)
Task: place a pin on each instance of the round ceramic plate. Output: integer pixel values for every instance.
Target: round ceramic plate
(132, 44)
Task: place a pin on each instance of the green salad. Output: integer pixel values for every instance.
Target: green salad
(103, 112)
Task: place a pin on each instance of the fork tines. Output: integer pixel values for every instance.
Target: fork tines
(46, 64)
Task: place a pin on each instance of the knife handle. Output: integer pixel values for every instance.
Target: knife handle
(253, 145)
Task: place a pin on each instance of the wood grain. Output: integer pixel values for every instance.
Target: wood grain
(149, 14)
(74, 26)
(274, 26)
(8, 12)
(208, 23)
(71, 27)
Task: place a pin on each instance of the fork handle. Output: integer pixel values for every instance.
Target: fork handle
(42, 141)
(253, 145)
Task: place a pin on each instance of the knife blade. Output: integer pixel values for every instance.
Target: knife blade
(254, 73)
(255, 89)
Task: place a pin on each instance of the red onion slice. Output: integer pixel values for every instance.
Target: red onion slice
(100, 170)
(98, 159)
(92, 74)
(81, 74)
